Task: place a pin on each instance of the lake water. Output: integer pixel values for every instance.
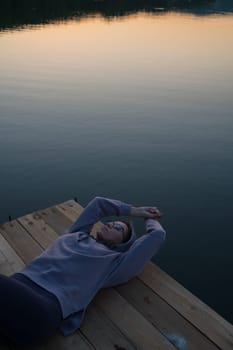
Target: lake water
(139, 108)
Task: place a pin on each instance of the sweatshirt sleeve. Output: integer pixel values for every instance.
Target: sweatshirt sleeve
(142, 250)
(98, 208)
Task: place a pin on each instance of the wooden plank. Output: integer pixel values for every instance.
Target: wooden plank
(52, 217)
(9, 260)
(169, 322)
(216, 328)
(19, 239)
(130, 322)
(35, 225)
(71, 209)
(102, 332)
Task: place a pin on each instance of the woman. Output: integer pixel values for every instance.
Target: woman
(53, 291)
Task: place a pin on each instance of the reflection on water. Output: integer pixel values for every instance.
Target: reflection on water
(137, 108)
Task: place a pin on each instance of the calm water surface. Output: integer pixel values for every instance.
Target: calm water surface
(138, 108)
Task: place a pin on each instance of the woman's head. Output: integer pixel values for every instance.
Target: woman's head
(114, 232)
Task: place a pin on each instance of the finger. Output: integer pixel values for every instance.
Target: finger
(153, 210)
(157, 212)
(158, 215)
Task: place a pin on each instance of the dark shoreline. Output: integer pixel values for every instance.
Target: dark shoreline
(31, 12)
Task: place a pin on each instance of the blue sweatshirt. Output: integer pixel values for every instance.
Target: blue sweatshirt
(76, 266)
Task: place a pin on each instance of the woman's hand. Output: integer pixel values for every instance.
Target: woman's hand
(146, 212)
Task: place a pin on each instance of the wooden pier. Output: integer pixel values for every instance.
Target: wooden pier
(152, 311)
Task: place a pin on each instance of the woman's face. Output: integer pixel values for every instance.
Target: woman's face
(112, 232)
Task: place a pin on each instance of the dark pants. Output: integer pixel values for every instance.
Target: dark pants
(28, 313)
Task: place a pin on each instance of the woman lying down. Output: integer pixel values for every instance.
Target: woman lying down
(53, 291)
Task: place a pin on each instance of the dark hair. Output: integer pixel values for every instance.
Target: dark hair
(127, 236)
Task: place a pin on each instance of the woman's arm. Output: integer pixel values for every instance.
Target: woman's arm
(146, 212)
(101, 207)
(142, 250)
(98, 208)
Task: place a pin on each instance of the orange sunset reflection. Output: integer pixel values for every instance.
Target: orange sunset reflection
(143, 42)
